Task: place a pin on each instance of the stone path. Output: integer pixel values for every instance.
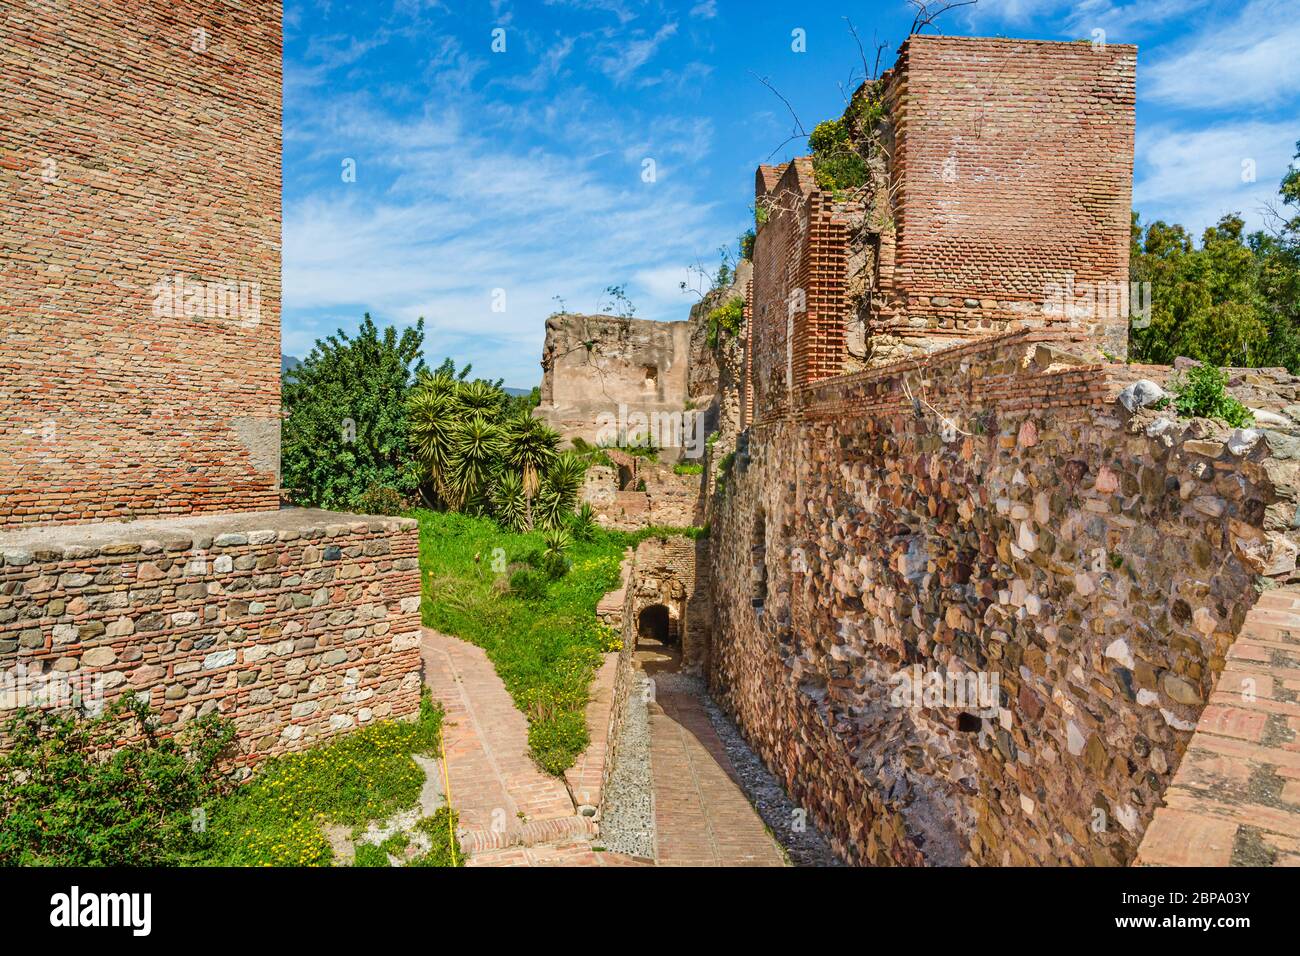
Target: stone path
(1235, 800)
(702, 816)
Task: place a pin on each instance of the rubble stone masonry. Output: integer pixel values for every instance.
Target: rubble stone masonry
(991, 512)
(139, 258)
(293, 624)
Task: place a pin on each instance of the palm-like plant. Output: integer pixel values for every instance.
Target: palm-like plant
(432, 420)
(583, 524)
(557, 541)
(529, 448)
(508, 501)
(560, 488)
(480, 398)
(475, 455)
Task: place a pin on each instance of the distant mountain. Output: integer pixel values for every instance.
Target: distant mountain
(516, 391)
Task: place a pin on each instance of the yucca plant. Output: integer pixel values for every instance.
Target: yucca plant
(508, 501)
(474, 458)
(432, 421)
(529, 448)
(480, 398)
(559, 490)
(557, 541)
(583, 523)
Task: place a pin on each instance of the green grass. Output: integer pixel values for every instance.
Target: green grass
(545, 647)
(277, 818)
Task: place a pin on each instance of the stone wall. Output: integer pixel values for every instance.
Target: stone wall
(140, 255)
(992, 513)
(295, 624)
(593, 365)
(674, 572)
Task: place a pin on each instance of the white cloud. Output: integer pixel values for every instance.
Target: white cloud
(619, 59)
(1251, 62)
(706, 10)
(465, 214)
(1194, 177)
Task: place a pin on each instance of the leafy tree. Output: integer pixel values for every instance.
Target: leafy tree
(345, 427)
(1234, 301)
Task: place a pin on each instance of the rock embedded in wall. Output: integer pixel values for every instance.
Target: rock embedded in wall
(1019, 523)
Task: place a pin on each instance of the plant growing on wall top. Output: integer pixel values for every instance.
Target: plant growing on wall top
(725, 318)
(1203, 393)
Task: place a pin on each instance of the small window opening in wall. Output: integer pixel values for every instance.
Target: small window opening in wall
(651, 376)
(968, 723)
(758, 562)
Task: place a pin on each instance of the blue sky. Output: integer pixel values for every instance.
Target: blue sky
(487, 183)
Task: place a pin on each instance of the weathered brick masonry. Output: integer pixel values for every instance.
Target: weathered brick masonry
(141, 142)
(1011, 171)
(139, 381)
(294, 624)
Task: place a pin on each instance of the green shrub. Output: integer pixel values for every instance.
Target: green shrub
(68, 797)
(747, 239)
(725, 318)
(839, 171)
(688, 468)
(345, 425)
(381, 500)
(828, 136)
(1202, 393)
(528, 585)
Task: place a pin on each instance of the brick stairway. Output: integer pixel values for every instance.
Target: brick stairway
(1235, 800)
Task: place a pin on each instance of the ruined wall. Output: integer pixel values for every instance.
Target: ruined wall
(674, 572)
(991, 512)
(1011, 172)
(140, 155)
(295, 625)
(798, 286)
(594, 364)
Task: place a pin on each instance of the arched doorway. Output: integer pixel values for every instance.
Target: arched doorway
(657, 641)
(654, 624)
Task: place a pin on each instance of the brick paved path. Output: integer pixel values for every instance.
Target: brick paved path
(1235, 800)
(513, 814)
(502, 797)
(702, 817)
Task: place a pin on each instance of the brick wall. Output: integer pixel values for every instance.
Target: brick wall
(1011, 171)
(141, 143)
(295, 625)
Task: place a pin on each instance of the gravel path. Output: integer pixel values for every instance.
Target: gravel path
(627, 821)
(789, 824)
